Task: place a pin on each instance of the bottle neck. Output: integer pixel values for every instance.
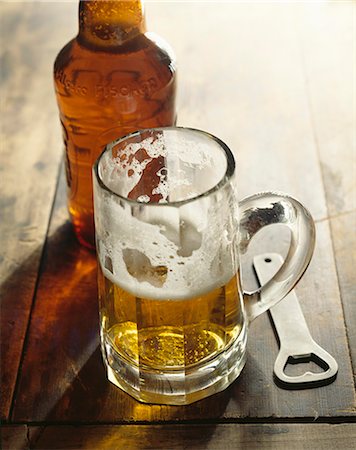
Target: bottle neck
(109, 23)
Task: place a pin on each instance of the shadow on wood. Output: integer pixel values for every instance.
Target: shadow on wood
(62, 377)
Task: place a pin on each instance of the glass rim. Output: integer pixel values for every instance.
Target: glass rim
(228, 174)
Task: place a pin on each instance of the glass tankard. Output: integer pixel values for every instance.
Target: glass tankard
(169, 231)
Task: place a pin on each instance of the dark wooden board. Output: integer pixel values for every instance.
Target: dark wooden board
(30, 155)
(271, 154)
(71, 383)
(64, 320)
(174, 437)
(333, 118)
(14, 437)
(344, 238)
(281, 98)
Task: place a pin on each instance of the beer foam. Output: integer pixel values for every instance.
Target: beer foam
(130, 163)
(178, 257)
(189, 155)
(160, 251)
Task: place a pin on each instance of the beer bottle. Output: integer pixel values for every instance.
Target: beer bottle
(110, 80)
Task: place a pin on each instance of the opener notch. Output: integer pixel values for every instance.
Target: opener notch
(296, 343)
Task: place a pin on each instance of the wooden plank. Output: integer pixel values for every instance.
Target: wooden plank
(14, 437)
(64, 328)
(329, 77)
(330, 85)
(320, 300)
(63, 337)
(30, 154)
(63, 342)
(344, 238)
(209, 436)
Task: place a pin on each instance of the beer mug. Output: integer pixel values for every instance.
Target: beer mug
(169, 231)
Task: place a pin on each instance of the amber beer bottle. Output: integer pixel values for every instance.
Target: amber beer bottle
(112, 79)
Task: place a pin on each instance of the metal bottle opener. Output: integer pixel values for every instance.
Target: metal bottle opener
(296, 342)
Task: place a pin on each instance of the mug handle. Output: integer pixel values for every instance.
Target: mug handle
(267, 208)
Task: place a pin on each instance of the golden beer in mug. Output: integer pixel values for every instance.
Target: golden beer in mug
(169, 230)
(170, 333)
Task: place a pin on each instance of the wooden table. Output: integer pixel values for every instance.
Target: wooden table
(276, 82)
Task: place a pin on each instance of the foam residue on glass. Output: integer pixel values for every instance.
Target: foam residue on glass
(179, 164)
(166, 253)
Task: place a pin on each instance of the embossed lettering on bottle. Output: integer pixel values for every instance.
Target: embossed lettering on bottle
(112, 79)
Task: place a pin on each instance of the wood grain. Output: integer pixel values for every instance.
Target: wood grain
(330, 87)
(14, 437)
(245, 84)
(63, 334)
(274, 81)
(278, 151)
(30, 154)
(63, 342)
(334, 122)
(344, 238)
(212, 436)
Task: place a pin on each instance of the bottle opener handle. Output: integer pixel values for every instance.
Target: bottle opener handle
(296, 342)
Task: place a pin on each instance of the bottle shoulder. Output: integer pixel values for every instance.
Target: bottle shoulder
(162, 49)
(159, 44)
(145, 49)
(64, 56)
(147, 45)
